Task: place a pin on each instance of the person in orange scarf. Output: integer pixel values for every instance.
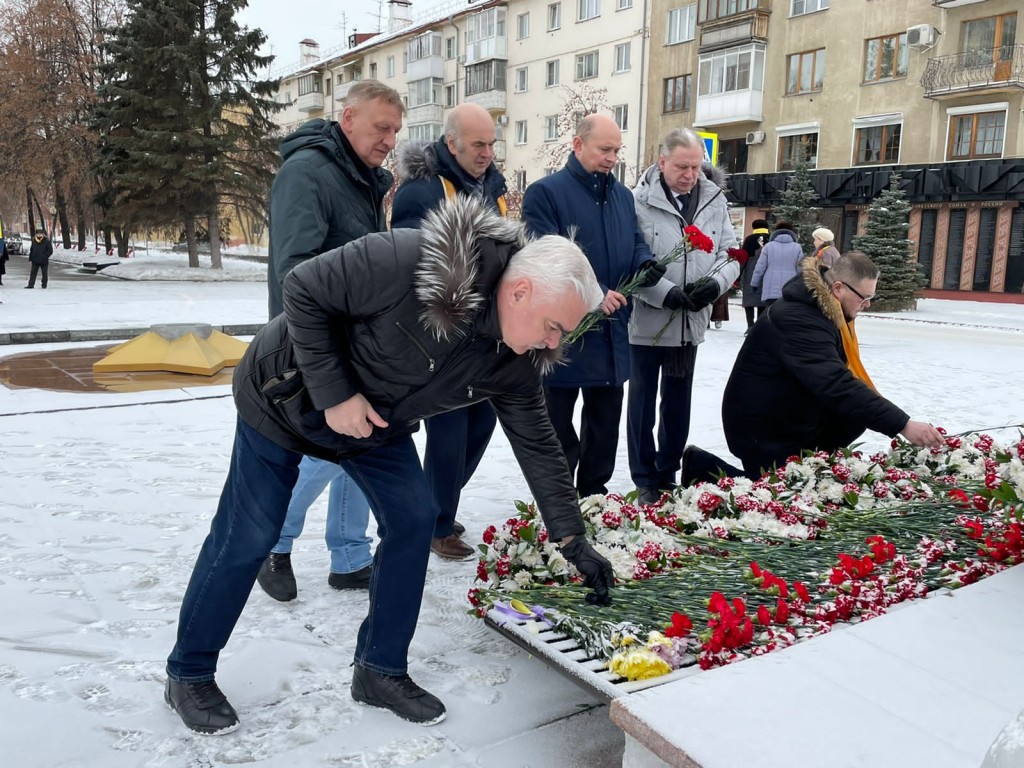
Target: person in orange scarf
(798, 383)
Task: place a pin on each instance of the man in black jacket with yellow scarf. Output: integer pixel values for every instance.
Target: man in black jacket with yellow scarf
(798, 383)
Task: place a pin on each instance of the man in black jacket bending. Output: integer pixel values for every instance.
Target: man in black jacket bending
(376, 336)
(798, 384)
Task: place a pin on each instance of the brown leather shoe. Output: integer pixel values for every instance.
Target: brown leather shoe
(452, 548)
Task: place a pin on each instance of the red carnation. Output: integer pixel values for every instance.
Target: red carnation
(698, 240)
(680, 626)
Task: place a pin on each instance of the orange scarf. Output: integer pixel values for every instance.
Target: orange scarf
(852, 350)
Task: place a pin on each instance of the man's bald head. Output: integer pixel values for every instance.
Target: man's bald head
(470, 135)
(597, 143)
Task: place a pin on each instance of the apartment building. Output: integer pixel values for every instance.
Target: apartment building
(931, 89)
(526, 61)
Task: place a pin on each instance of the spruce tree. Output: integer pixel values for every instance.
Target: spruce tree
(885, 243)
(184, 122)
(798, 205)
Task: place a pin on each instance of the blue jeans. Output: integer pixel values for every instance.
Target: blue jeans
(348, 514)
(252, 509)
(654, 465)
(456, 442)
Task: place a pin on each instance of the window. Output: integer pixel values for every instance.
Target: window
(550, 171)
(622, 57)
(976, 135)
(877, 144)
(522, 26)
(551, 128)
(621, 112)
(885, 57)
(721, 9)
(489, 76)
(373, 70)
(522, 82)
(588, 9)
(405, 62)
(586, 65)
(796, 148)
(554, 16)
(520, 180)
(426, 45)
(622, 5)
(551, 74)
(309, 84)
(425, 132)
(485, 25)
(451, 47)
(734, 69)
(988, 41)
(449, 96)
(521, 132)
(732, 155)
(800, 7)
(425, 91)
(678, 93)
(682, 24)
(390, 66)
(806, 71)
(619, 172)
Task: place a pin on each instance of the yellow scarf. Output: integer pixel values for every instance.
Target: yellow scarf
(852, 350)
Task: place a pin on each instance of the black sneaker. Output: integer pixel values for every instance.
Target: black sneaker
(356, 580)
(648, 496)
(397, 693)
(201, 706)
(277, 577)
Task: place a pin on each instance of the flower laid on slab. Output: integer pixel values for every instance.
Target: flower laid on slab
(722, 571)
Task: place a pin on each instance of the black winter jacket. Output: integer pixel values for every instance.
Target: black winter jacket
(790, 389)
(41, 251)
(390, 316)
(319, 201)
(419, 166)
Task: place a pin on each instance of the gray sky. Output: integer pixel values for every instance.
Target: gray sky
(286, 22)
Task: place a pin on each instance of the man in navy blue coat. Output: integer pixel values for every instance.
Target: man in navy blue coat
(460, 162)
(585, 201)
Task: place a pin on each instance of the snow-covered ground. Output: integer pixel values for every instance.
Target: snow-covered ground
(106, 498)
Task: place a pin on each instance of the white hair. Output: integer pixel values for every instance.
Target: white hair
(555, 264)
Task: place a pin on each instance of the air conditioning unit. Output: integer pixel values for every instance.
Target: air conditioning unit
(755, 137)
(502, 119)
(461, 59)
(921, 35)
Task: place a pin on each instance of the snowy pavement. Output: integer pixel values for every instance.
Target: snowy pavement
(106, 498)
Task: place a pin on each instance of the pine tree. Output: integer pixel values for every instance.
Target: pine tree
(798, 205)
(184, 124)
(885, 243)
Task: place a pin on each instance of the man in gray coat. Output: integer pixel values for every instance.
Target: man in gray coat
(669, 318)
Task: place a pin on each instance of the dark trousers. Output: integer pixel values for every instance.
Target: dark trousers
(248, 523)
(750, 314)
(654, 464)
(591, 453)
(456, 442)
(36, 269)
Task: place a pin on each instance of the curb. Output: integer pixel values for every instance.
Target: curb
(107, 334)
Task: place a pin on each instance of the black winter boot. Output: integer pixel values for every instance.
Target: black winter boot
(277, 578)
(201, 706)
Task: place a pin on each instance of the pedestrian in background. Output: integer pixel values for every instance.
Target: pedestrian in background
(39, 256)
(825, 250)
(752, 244)
(779, 263)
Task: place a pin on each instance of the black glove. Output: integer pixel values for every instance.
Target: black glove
(652, 273)
(705, 291)
(596, 571)
(676, 299)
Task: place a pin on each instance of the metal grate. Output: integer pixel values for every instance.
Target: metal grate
(567, 657)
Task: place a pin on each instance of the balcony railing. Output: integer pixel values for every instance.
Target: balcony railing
(341, 90)
(954, 3)
(734, 30)
(310, 102)
(493, 101)
(983, 70)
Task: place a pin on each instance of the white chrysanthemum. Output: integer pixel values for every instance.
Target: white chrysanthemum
(524, 578)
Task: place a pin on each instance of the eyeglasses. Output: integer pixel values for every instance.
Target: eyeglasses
(863, 299)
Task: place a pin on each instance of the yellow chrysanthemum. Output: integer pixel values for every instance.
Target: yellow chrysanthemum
(638, 664)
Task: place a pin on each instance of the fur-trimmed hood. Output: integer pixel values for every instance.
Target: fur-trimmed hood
(416, 160)
(465, 247)
(814, 280)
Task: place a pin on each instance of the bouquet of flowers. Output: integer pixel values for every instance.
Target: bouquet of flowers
(693, 239)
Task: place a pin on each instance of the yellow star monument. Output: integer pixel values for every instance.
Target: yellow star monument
(175, 347)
